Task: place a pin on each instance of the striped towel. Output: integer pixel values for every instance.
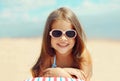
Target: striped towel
(52, 79)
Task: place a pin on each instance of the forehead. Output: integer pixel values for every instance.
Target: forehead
(62, 24)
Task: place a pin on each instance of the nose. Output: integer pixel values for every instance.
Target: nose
(63, 38)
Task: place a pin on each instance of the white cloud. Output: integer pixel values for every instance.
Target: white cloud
(37, 3)
(90, 8)
(7, 16)
(27, 4)
(20, 9)
(28, 18)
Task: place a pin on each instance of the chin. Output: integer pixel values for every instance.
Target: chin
(63, 53)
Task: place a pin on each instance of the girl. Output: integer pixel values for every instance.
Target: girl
(63, 50)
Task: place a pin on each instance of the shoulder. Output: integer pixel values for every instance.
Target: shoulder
(46, 62)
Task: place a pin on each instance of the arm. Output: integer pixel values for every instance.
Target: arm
(85, 71)
(63, 72)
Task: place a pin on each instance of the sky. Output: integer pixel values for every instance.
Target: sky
(27, 17)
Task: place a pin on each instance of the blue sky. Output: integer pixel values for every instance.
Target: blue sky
(22, 15)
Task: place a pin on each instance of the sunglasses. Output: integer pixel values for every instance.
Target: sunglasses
(58, 33)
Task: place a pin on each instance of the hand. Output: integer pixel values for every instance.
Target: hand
(76, 73)
(55, 72)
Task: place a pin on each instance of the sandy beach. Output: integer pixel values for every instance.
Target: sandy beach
(19, 54)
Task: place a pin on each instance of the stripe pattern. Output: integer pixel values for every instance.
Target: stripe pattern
(52, 79)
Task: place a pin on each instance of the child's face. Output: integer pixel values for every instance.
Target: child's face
(63, 44)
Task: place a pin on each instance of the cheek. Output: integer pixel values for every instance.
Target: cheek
(53, 42)
(72, 42)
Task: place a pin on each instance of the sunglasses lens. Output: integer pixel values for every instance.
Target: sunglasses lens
(56, 33)
(71, 33)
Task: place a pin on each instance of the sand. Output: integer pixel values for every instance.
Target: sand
(19, 54)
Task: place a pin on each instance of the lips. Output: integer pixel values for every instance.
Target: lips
(63, 45)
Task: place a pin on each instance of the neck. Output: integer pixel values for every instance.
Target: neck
(64, 60)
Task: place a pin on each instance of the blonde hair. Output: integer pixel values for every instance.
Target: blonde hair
(47, 51)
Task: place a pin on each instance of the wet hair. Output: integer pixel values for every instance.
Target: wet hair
(47, 51)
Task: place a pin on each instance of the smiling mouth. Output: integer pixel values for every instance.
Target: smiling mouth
(63, 45)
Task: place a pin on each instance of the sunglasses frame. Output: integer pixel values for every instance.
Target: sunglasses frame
(63, 33)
